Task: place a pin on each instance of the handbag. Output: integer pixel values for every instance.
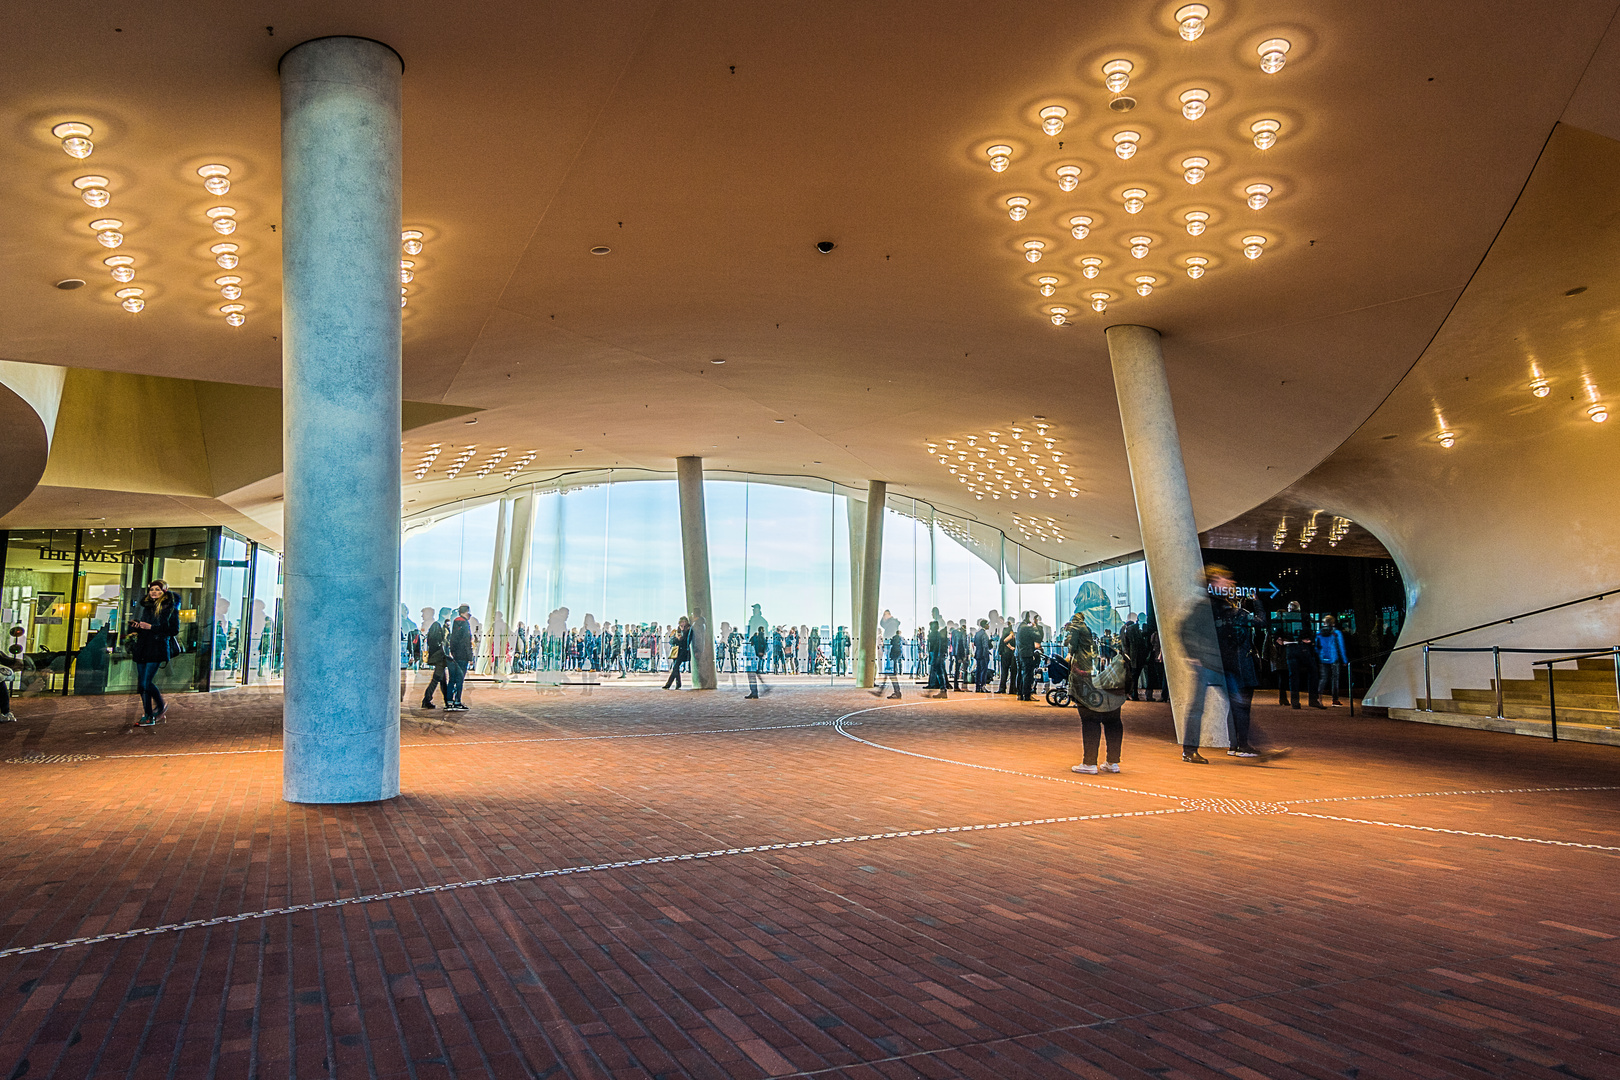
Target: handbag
(1116, 676)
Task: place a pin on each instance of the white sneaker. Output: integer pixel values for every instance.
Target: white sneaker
(1112, 766)
(1089, 770)
(8, 718)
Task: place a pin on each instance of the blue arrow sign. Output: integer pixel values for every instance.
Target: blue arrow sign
(1272, 590)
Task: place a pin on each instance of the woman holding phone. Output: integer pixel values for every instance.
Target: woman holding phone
(156, 625)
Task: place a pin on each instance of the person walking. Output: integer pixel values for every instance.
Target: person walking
(1235, 629)
(1026, 639)
(891, 670)
(460, 656)
(841, 651)
(433, 653)
(156, 626)
(680, 651)
(1133, 643)
(981, 657)
(938, 675)
(759, 647)
(1006, 654)
(1331, 658)
(1099, 708)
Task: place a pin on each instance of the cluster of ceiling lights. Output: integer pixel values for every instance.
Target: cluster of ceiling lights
(410, 242)
(1013, 462)
(460, 462)
(1191, 20)
(1280, 534)
(1540, 386)
(216, 180)
(1337, 530)
(490, 462)
(1042, 527)
(520, 464)
(429, 456)
(109, 231)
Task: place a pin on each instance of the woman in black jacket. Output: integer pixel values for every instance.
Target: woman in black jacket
(680, 651)
(156, 625)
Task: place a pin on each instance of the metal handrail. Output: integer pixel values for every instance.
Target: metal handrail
(1552, 700)
(1496, 652)
(1508, 619)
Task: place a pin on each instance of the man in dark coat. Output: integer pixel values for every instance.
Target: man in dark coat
(434, 654)
(461, 655)
(1026, 639)
(1134, 644)
(981, 657)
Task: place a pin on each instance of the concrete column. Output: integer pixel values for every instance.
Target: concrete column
(856, 513)
(695, 557)
(524, 508)
(340, 215)
(868, 649)
(497, 585)
(1192, 656)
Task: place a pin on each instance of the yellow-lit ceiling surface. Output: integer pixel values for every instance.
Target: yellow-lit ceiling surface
(711, 146)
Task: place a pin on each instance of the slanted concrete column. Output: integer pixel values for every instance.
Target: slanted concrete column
(1192, 656)
(695, 557)
(340, 214)
(855, 511)
(866, 655)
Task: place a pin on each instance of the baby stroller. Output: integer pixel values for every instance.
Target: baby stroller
(1057, 674)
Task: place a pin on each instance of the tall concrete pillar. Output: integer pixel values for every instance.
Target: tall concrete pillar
(494, 614)
(1175, 566)
(868, 650)
(695, 558)
(340, 214)
(855, 511)
(524, 508)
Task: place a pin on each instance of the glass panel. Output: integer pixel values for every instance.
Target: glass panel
(180, 558)
(230, 610)
(34, 598)
(264, 646)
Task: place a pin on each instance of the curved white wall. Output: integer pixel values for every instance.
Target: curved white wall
(29, 397)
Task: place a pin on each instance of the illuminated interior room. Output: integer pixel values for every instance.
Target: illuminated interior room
(852, 540)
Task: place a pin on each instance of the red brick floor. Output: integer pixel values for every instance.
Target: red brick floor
(1221, 924)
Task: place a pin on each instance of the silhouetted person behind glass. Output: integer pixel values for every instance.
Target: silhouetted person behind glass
(1007, 652)
(1028, 636)
(1298, 640)
(758, 647)
(981, 657)
(938, 678)
(891, 670)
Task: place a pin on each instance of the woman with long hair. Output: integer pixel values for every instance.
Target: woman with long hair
(156, 625)
(680, 651)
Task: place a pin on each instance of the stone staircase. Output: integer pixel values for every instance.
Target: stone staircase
(1588, 710)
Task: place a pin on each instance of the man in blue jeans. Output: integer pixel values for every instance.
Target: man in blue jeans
(1331, 658)
(461, 654)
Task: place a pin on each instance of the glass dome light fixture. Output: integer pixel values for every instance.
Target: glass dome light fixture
(406, 274)
(1598, 413)
(1197, 222)
(1135, 199)
(1540, 387)
(131, 298)
(1080, 226)
(1190, 21)
(1273, 54)
(107, 232)
(230, 286)
(411, 239)
(225, 256)
(1194, 103)
(1060, 315)
(1145, 283)
(1196, 264)
(1068, 177)
(122, 267)
(1048, 286)
(1265, 133)
(215, 178)
(1099, 302)
(1018, 208)
(1125, 144)
(1140, 246)
(1033, 249)
(1447, 439)
(1000, 158)
(75, 136)
(1259, 195)
(224, 219)
(93, 190)
(1117, 75)
(1090, 267)
(1193, 169)
(1052, 119)
(1254, 246)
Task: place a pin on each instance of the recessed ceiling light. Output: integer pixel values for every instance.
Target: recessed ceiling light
(411, 241)
(780, 421)
(75, 138)
(1273, 54)
(717, 360)
(1254, 246)
(1195, 266)
(1052, 119)
(1190, 24)
(1068, 177)
(600, 250)
(214, 178)
(1135, 199)
(1081, 226)
(93, 189)
(1117, 75)
(1018, 208)
(1259, 195)
(1193, 103)
(1125, 144)
(67, 284)
(1032, 250)
(1193, 169)
(1090, 267)
(1265, 133)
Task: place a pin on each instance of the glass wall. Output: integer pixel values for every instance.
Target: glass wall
(586, 576)
(67, 599)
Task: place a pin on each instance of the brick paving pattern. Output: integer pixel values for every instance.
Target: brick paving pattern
(1208, 928)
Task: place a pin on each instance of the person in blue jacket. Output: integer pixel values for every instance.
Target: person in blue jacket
(1331, 658)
